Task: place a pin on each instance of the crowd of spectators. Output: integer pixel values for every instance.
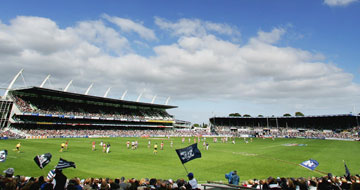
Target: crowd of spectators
(9, 134)
(328, 182)
(113, 133)
(288, 132)
(59, 108)
(60, 181)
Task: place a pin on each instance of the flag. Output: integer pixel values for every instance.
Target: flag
(3, 155)
(228, 176)
(189, 153)
(310, 164)
(65, 164)
(42, 160)
(51, 174)
(347, 172)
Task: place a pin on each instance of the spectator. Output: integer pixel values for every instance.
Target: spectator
(60, 180)
(192, 181)
(9, 172)
(234, 178)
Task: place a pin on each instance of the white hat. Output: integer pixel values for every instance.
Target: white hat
(9, 171)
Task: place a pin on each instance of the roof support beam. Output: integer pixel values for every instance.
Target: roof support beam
(139, 97)
(87, 91)
(12, 83)
(43, 83)
(153, 100)
(107, 92)
(124, 94)
(67, 86)
(167, 101)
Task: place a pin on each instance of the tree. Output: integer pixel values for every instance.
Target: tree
(260, 116)
(299, 114)
(287, 115)
(246, 115)
(235, 115)
(195, 125)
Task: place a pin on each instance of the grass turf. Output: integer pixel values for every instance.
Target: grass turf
(258, 159)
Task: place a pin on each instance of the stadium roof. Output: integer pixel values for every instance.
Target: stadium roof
(51, 92)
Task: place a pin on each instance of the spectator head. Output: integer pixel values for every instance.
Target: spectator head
(41, 180)
(153, 181)
(190, 176)
(313, 183)
(9, 172)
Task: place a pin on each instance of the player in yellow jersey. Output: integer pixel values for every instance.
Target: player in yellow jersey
(155, 148)
(18, 147)
(62, 147)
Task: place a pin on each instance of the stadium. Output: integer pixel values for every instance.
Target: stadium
(43, 119)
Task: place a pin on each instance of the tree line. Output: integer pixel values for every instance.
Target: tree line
(299, 114)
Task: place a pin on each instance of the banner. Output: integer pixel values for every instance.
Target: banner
(310, 164)
(189, 153)
(3, 155)
(42, 160)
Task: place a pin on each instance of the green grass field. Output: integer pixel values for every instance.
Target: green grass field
(258, 159)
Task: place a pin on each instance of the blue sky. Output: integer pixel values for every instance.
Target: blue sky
(251, 56)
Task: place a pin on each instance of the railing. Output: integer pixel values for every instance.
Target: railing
(216, 185)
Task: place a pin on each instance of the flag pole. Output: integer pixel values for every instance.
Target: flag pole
(185, 169)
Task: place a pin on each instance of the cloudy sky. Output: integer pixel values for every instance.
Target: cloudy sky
(254, 57)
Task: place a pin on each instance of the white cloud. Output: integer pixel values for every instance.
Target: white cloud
(333, 3)
(198, 65)
(128, 25)
(195, 27)
(270, 37)
(106, 38)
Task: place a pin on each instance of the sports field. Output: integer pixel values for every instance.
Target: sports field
(258, 159)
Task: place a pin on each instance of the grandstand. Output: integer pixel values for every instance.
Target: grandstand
(331, 122)
(43, 108)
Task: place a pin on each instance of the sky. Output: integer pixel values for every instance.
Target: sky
(212, 58)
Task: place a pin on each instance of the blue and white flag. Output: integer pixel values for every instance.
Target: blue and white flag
(310, 164)
(189, 153)
(65, 164)
(42, 160)
(3, 155)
